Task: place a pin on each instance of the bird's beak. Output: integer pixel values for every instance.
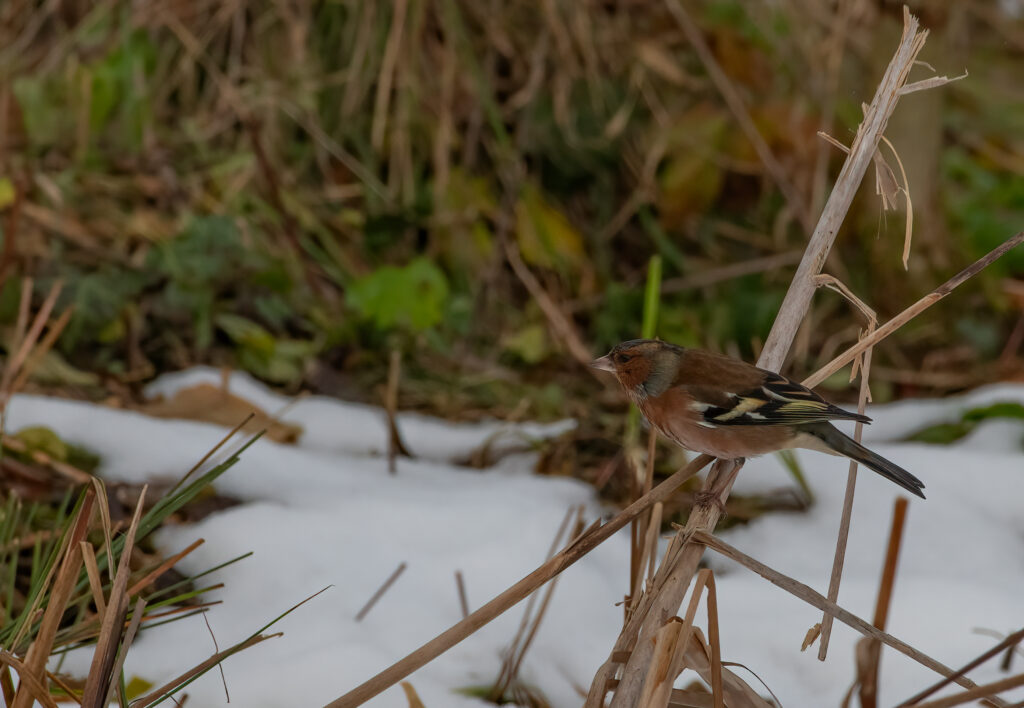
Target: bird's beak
(604, 364)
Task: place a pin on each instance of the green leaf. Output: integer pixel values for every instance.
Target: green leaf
(1001, 409)
(410, 297)
(941, 433)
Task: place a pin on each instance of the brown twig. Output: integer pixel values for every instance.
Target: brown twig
(380, 592)
(561, 326)
(460, 585)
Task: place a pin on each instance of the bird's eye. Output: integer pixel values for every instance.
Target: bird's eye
(622, 358)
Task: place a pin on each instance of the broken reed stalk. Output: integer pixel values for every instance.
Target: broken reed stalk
(816, 599)
(590, 540)
(705, 515)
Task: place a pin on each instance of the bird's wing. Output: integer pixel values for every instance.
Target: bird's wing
(774, 400)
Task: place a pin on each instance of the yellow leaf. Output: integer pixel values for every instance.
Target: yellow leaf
(545, 236)
(7, 193)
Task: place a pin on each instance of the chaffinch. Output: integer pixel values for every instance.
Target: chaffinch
(727, 408)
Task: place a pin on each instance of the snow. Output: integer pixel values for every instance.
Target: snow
(326, 512)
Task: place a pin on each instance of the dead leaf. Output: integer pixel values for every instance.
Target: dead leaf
(213, 404)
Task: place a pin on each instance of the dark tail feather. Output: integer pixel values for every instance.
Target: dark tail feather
(849, 447)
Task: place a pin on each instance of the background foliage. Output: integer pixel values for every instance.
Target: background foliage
(297, 188)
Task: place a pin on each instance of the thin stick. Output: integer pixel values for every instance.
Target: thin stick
(513, 595)
(914, 310)
(847, 515)
(380, 591)
(892, 556)
(811, 597)
(1007, 642)
(460, 584)
(561, 326)
(395, 445)
(987, 690)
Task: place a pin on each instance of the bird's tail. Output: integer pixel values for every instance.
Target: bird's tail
(847, 446)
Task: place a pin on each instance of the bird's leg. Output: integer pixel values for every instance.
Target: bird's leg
(714, 495)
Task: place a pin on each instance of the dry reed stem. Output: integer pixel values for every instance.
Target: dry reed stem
(562, 328)
(658, 681)
(95, 583)
(1007, 642)
(380, 591)
(914, 310)
(122, 652)
(103, 507)
(63, 587)
(104, 655)
(846, 516)
(589, 540)
(987, 690)
(27, 679)
(868, 660)
(710, 276)
(812, 597)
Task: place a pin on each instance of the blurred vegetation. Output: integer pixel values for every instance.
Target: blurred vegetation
(297, 188)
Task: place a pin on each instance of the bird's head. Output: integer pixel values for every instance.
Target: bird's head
(644, 367)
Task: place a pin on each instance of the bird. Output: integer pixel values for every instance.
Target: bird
(721, 406)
